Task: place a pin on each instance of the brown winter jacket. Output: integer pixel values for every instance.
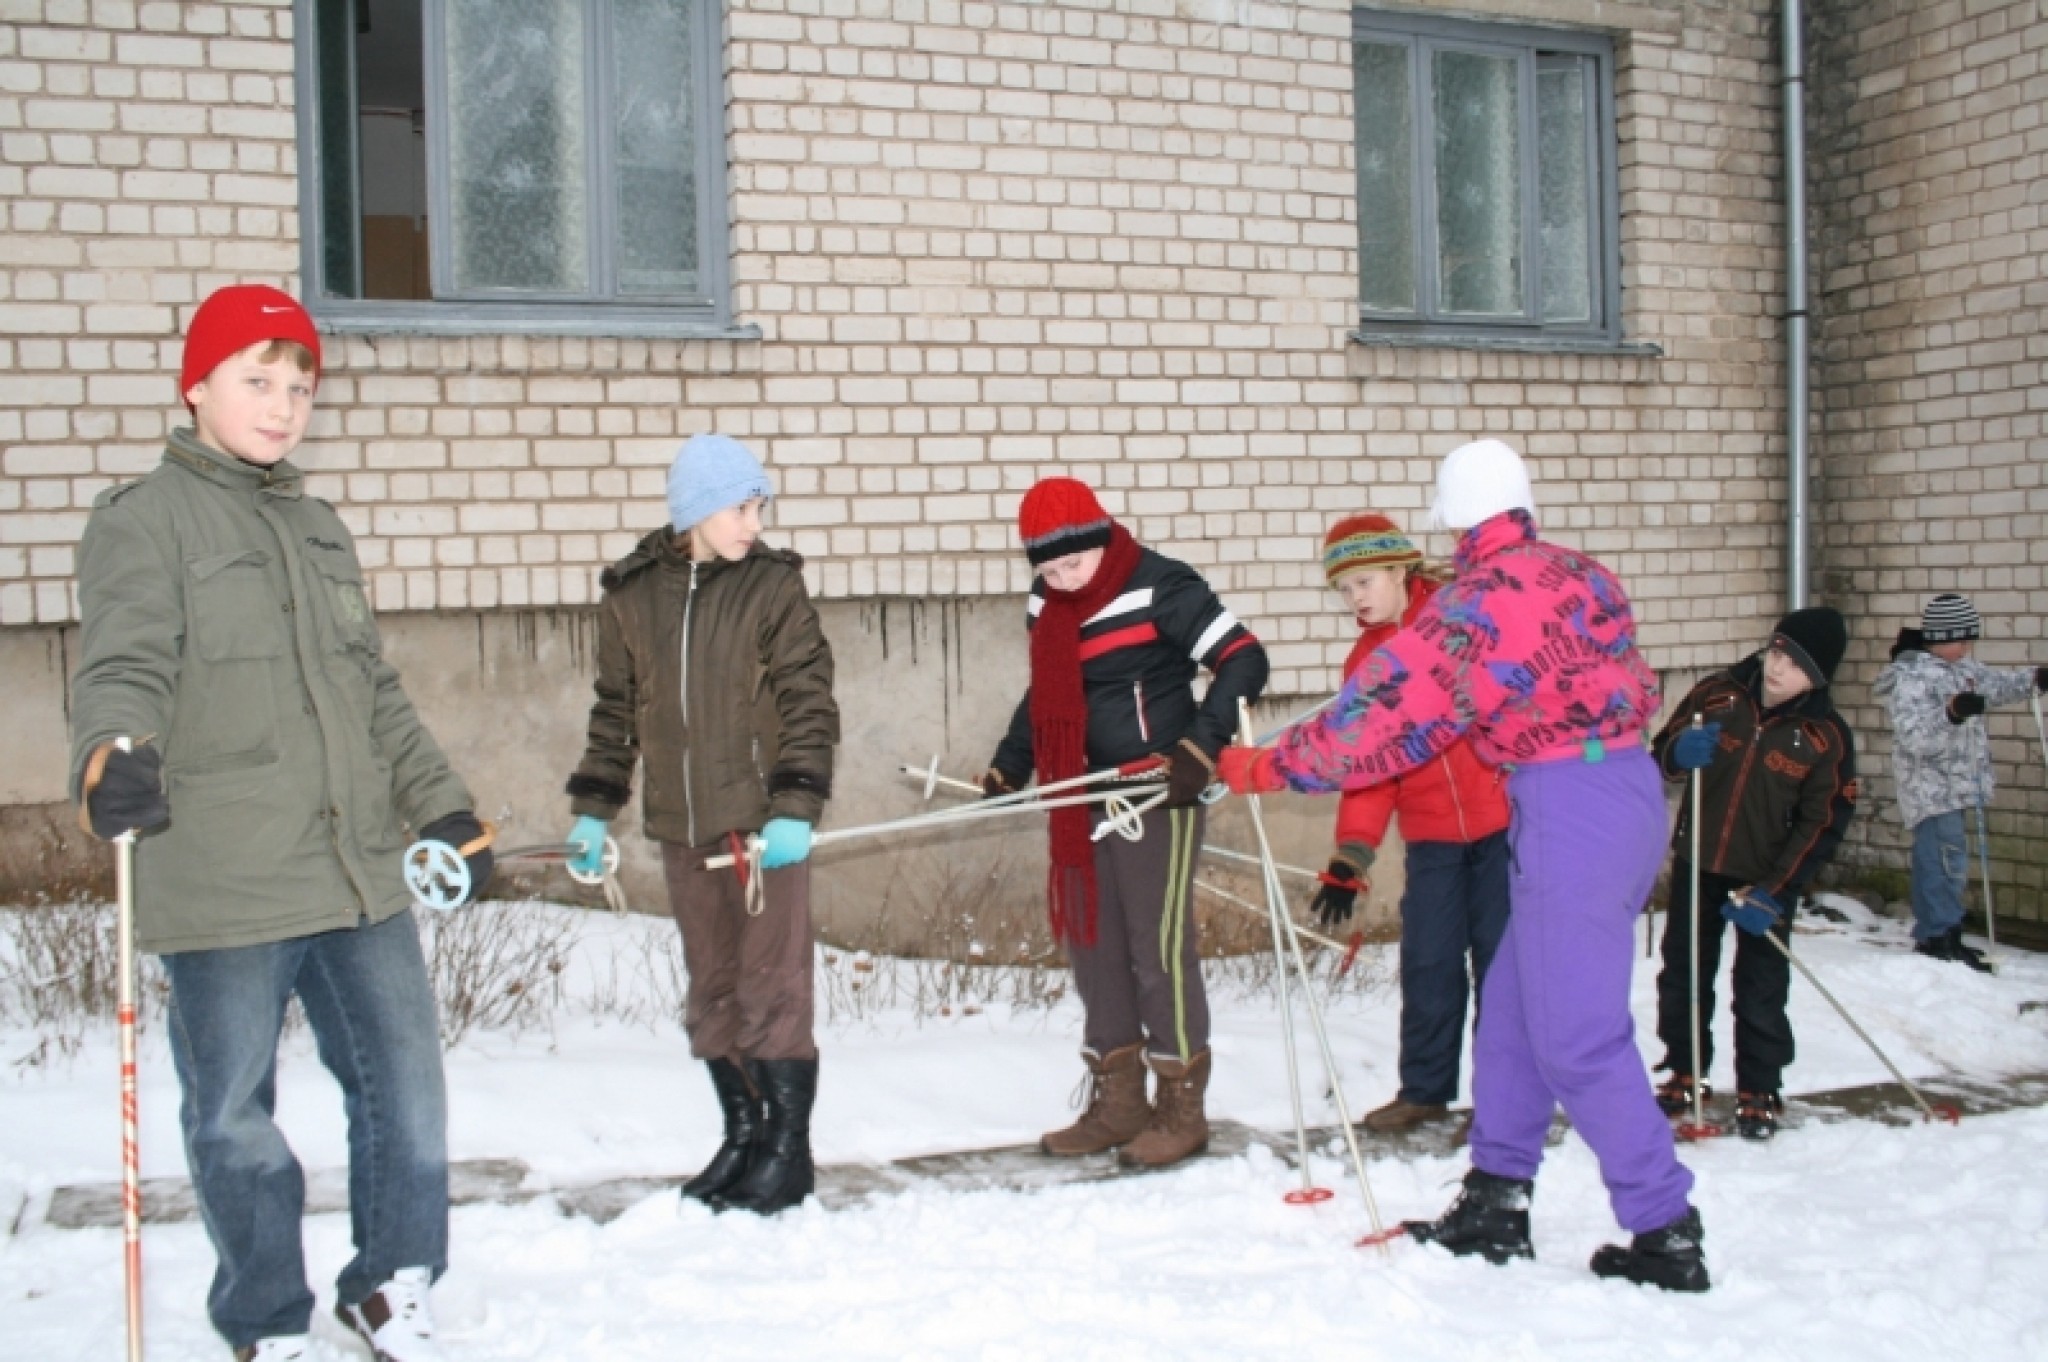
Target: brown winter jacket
(718, 675)
(1782, 786)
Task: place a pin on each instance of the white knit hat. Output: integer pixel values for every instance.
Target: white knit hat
(1477, 482)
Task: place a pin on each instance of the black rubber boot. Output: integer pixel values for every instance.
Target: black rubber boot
(780, 1173)
(743, 1123)
(1670, 1258)
(1489, 1218)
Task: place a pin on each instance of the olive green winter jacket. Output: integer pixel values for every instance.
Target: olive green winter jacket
(224, 617)
(718, 676)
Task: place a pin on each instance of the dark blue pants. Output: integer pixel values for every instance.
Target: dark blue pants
(1455, 906)
(371, 1010)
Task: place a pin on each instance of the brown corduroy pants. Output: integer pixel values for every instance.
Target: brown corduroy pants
(751, 985)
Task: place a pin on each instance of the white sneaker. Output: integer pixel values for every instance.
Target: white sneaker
(396, 1320)
(289, 1348)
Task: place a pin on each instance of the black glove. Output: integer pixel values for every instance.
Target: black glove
(2041, 680)
(128, 793)
(1188, 772)
(463, 832)
(1334, 902)
(1964, 706)
(994, 782)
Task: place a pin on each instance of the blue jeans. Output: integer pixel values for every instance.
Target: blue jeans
(371, 1009)
(1455, 905)
(1941, 874)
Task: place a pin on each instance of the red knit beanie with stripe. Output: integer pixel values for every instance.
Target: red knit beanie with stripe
(1060, 516)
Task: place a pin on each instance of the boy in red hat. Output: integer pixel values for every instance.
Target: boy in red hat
(1454, 818)
(1118, 633)
(273, 765)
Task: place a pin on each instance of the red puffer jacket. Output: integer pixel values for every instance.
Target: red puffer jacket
(1453, 797)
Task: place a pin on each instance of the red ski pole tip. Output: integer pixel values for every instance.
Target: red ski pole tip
(1690, 1132)
(1383, 1237)
(1945, 1112)
(1308, 1196)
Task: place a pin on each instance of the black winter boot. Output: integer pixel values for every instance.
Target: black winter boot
(780, 1173)
(1670, 1258)
(743, 1122)
(1489, 1218)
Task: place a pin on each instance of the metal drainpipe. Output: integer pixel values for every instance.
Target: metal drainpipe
(1797, 397)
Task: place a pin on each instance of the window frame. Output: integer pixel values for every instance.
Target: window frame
(708, 315)
(1428, 323)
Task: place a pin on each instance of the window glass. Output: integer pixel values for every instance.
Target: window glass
(1478, 183)
(518, 145)
(1386, 176)
(654, 148)
(1565, 188)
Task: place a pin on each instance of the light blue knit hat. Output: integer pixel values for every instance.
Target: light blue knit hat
(712, 472)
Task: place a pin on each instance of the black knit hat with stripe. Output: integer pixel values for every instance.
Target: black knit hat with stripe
(1949, 618)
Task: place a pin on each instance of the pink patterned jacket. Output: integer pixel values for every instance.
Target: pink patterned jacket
(1532, 647)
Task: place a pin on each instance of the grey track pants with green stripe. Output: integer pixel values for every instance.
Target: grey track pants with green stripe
(1141, 980)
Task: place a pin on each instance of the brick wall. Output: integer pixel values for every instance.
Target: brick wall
(983, 243)
(1929, 224)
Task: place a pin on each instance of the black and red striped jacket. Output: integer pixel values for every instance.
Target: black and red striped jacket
(1139, 657)
(1781, 789)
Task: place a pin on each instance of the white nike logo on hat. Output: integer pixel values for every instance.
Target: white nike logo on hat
(268, 308)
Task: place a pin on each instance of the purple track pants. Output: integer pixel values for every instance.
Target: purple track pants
(1554, 1029)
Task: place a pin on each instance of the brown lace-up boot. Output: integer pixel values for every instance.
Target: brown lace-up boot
(1179, 1129)
(1116, 1111)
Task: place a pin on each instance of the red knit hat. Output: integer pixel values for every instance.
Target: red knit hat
(236, 317)
(1366, 541)
(1059, 517)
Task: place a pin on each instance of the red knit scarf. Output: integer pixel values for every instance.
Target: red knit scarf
(1059, 731)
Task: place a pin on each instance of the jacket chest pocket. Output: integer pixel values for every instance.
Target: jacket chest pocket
(234, 611)
(345, 624)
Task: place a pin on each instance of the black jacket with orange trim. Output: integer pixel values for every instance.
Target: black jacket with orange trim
(1139, 657)
(1781, 789)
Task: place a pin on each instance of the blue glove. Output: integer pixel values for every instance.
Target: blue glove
(588, 838)
(1695, 747)
(1752, 910)
(784, 841)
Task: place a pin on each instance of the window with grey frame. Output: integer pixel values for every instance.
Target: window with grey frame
(524, 165)
(1487, 209)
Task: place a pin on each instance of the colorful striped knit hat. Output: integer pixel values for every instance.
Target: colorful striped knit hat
(1059, 517)
(1365, 541)
(1949, 618)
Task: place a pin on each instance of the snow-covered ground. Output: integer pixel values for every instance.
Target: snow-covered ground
(1846, 1241)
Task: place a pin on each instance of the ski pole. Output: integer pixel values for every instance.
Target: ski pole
(1984, 863)
(1227, 854)
(131, 1108)
(1699, 1126)
(988, 808)
(1247, 906)
(1946, 1113)
(1276, 908)
(1303, 717)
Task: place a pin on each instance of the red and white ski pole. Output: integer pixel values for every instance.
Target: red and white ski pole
(131, 1123)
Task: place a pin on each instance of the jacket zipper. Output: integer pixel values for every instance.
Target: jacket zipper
(1138, 695)
(689, 737)
(1457, 804)
(1756, 739)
